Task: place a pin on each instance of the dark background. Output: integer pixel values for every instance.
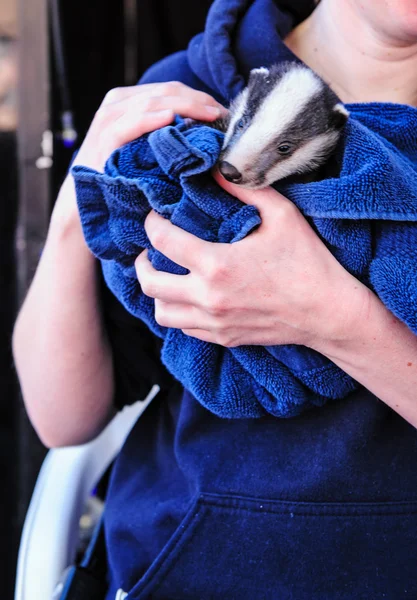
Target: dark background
(95, 47)
(107, 43)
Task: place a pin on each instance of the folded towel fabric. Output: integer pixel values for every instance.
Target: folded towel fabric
(366, 215)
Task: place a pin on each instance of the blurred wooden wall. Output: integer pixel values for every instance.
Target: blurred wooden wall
(8, 212)
(8, 18)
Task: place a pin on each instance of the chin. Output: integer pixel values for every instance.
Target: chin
(395, 20)
(400, 19)
(406, 26)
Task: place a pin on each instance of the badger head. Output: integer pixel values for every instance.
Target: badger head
(285, 122)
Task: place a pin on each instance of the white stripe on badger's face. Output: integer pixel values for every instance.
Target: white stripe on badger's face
(279, 109)
(238, 109)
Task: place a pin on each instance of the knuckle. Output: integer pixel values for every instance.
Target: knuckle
(287, 210)
(175, 85)
(138, 264)
(188, 105)
(217, 305)
(104, 114)
(216, 269)
(160, 316)
(170, 88)
(166, 89)
(151, 103)
(113, 95)
(157, 238)
(148, 289)
(224, 339)
(217, 325)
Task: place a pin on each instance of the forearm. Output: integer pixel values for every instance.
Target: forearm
(381, 354)
(61, 352)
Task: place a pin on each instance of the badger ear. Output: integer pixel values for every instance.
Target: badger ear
(339, 115)
(259, 72)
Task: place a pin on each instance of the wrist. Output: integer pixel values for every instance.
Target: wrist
(65, 240)
(354, 318)
(65, 219)
(380, 354)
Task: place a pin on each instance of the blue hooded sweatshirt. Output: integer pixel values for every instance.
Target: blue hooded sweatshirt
(322, 506)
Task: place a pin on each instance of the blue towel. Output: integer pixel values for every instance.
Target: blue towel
(366, 216)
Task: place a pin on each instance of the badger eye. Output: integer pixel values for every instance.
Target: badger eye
(240, 124)
(284, 148)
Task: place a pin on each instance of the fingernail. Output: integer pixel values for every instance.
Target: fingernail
(213, 110)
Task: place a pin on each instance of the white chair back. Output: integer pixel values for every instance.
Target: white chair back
(68, 475)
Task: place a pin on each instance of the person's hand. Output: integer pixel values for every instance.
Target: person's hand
(279, 285)
(127, 113)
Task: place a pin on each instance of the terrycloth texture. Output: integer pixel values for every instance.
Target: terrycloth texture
(326, 484)
(366, 216)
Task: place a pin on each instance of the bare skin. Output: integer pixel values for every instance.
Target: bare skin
(365, 50)
(62, 355)
(234, 294)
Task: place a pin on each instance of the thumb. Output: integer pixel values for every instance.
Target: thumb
(263, 199)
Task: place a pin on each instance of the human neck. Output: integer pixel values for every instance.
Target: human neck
(358, 63)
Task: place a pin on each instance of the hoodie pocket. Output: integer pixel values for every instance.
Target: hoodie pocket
(236, 548)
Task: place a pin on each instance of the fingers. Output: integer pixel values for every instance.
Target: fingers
(111, 131)
(171, 88)
(131, 119)
(201, 334)
(180, 246)
(180, 316)
(127, 105)
(161, 285)
(185, 106)
(262, 199)
(129, 125)
(128, 113)
(228, 340)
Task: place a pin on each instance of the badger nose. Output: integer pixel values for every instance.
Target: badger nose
(229, 172)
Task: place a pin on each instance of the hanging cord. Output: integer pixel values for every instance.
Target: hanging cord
(69, 134)
(131, 41)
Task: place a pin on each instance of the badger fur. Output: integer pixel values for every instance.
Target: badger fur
(286, 122)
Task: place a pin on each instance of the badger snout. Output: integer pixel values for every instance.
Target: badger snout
(229, 172)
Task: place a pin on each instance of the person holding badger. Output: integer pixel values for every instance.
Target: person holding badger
(321, 505)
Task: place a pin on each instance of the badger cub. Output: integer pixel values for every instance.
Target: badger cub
(286, 122)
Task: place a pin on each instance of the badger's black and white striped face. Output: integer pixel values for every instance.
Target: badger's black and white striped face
(286, 121)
